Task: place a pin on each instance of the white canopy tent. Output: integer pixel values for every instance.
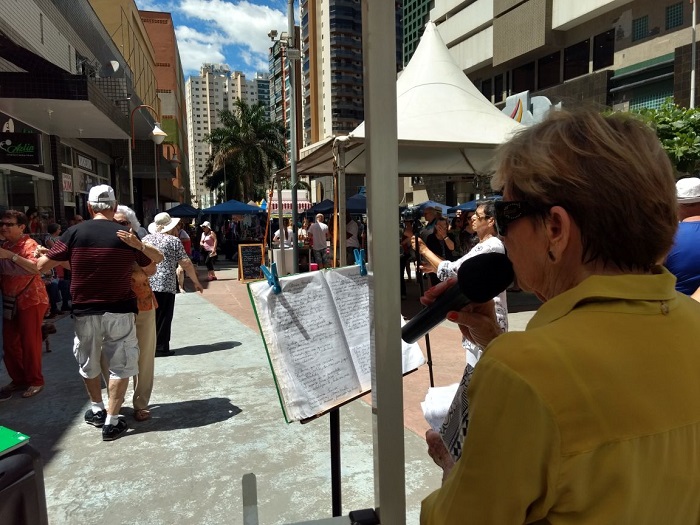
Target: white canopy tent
(445, 125)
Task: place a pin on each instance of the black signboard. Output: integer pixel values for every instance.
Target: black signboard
(250, 258)
(20, 148)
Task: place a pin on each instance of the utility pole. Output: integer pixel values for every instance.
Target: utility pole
(293, 55)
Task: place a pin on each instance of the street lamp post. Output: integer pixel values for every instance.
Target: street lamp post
(293, 54)
(158, 136)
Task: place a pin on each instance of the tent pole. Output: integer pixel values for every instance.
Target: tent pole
(281, 266)
(342, 200)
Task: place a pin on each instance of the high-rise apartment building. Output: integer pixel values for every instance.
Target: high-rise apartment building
(280, 93)
(206, 95)
(332, 69)
(261, 88)
(415, 15)
(622, 53)
(171, 93)
(216, 88)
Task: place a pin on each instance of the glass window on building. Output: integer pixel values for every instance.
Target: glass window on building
(603, 50)
(524, 78)
(498, 88)
(640, 28)
(576, 59)
(19, 191)
(674, 16)
(548, 70)
(487, 88)
(652, 96)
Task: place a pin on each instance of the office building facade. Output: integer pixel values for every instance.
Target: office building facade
(625, 54)
(171, 95)
(216, 88)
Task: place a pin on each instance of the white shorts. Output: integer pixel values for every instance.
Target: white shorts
(109, 336)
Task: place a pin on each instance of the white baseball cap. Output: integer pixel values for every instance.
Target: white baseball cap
(101, 193)
(688, 190)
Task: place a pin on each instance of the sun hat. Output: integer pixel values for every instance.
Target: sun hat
(688, 190)
(163, 223)
(205, 224)
(101, 193)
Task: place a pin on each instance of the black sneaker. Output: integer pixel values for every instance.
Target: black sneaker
(112, 432)
(5, 395)
(96, 420)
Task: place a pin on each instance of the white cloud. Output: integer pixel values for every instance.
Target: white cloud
(243, 23)
(197, 48)
(223, 31)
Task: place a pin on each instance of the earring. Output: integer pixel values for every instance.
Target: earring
(551, 256)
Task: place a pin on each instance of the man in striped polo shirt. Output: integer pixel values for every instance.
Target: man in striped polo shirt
(104, 305)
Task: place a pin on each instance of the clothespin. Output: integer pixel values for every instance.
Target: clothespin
(272, 277)
(360, 261)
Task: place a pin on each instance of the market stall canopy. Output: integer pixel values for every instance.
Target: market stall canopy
(471, 205)
(357, 204)
(303, 202)
(183, 211)
(324, 207)
(232, 207)
(445, 125)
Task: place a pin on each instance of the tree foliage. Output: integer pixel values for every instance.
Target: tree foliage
(249, 146)
(678, 130)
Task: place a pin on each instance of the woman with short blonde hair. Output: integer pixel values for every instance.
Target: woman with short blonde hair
(592, 414)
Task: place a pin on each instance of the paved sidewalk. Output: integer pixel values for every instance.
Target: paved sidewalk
(216, 417)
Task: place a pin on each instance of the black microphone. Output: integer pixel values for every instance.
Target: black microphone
(479, 279)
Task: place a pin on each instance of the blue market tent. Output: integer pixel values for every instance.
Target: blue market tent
(465, 206)
(357, 204)
(325, 207)
(471, 205)
(183, 211)
(232, 207)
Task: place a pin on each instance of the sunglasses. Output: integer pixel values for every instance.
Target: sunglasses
(8, 224)
(123, 223)
(508, 212)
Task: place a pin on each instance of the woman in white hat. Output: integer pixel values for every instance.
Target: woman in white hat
(208, 244)
(162, 235)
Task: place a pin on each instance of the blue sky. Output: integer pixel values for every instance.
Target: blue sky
(232, 32)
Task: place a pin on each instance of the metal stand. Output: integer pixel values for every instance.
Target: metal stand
(419, 278)
(336, 493)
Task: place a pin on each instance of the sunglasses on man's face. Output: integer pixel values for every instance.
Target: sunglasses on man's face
(507, 212)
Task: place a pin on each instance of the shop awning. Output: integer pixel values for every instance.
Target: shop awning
(302, 206)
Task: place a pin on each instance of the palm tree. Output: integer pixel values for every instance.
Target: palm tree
(245, 149)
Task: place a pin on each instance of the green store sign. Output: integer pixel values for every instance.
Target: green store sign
(20, 148)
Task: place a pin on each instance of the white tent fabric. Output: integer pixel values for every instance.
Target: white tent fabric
(445, 125)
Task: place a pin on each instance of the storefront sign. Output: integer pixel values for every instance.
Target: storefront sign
(12, 125)
(67, 179)
(85, 162)
(20, 148)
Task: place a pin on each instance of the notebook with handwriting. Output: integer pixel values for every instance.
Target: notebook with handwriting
(317, 336)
